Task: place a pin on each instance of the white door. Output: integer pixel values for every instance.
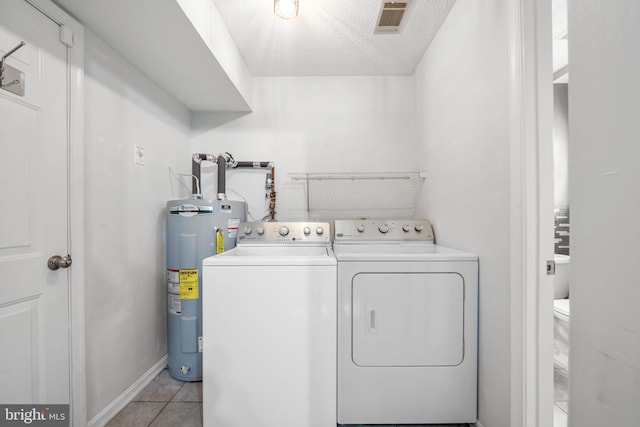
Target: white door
(34, 300)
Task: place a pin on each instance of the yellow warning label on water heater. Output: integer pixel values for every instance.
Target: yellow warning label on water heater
(189, 284)
(219, 242)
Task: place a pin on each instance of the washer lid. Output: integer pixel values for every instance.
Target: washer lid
(274, 256)
(399, 252)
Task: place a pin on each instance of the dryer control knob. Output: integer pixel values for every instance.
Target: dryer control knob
(260, 230)
(419, 228)
(383, 228)
(283, 231)
(406, 228)
(247, 230)
(361, 228)
(319, 231)
(306, 231)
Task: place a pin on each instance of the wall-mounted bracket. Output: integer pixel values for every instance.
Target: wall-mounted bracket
(11, 79)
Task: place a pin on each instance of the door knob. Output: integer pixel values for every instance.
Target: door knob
(57, 261)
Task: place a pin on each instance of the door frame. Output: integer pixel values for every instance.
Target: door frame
(531, 142)
(75, 210)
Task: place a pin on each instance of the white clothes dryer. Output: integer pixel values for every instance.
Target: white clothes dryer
(407, 325)
(269, 328)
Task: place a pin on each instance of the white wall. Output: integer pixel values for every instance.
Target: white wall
(125, 280)
(462, 117)
(312, 124)
(605, 200)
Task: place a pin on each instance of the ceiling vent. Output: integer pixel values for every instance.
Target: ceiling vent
(390, 17)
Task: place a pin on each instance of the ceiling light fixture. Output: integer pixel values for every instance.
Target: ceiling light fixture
(286, 9)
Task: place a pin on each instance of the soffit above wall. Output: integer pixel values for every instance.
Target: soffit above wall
(158, 38)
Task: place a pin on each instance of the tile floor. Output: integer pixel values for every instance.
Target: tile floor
(167, 402)
(164, 402)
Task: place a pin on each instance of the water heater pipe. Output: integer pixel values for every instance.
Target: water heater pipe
(222, 176)
(257, 165)
(224, 161)
(270, 185)
(196, 160)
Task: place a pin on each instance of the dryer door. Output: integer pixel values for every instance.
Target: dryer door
(407, 319)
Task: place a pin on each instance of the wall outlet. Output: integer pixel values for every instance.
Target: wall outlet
(139, 155)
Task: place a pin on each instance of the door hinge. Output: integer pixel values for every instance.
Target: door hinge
(66, 36)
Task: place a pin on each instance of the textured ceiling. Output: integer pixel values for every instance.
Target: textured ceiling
(330, 37)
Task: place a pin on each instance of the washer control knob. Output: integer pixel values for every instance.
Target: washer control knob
(283, 231)
(260, 230)
(406, 228)
(419, 228)
(247, 230)
(319, 231)
(361, 228)
(383, 228)
(306, 231)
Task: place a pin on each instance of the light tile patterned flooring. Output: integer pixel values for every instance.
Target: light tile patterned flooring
(167, 402)
(164, 402)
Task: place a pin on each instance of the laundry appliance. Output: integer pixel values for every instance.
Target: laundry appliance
(407, 325)
(269, 328)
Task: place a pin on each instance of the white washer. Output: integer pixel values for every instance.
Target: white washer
(269, 328)
(407, 325)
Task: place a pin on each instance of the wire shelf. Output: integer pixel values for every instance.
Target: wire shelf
(375, 195)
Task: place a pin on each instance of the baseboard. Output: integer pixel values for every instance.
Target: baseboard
(116, 405)
(477, 424)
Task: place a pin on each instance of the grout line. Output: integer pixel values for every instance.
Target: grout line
(127, 396)
(158, 414)
(166, 402)
(176, 393)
